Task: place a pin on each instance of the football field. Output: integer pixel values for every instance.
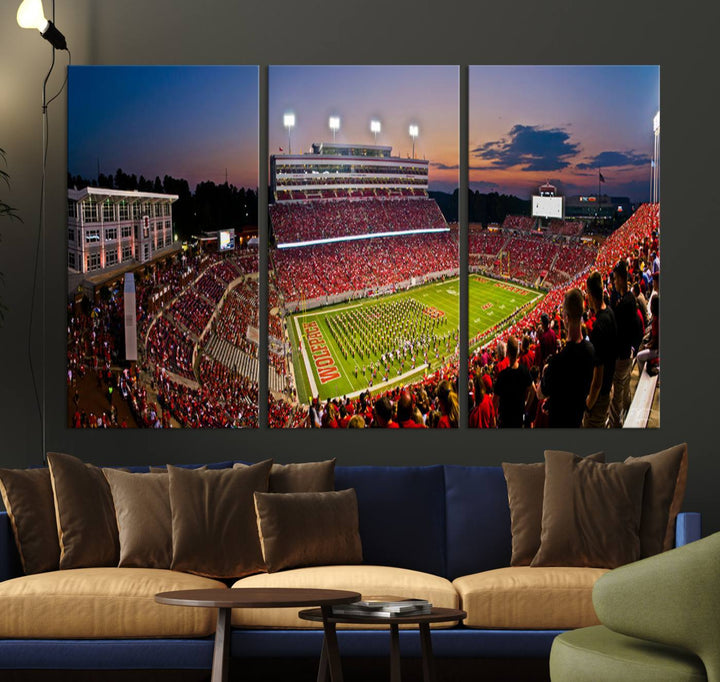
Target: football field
(383, 341)
(374, 343)
(492, 302)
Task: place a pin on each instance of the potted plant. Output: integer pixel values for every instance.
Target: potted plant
(5, 211)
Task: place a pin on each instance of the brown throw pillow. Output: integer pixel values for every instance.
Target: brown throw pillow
(84, 511)
(142, 508)
(662, 499)
(301, 477)
(308, 529)
(525, 484)
(28, 498)
(214, 532)
(591, 512)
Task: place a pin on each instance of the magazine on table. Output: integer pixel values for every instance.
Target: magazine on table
(383, 607)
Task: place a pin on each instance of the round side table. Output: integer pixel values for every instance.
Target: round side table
(258, 598)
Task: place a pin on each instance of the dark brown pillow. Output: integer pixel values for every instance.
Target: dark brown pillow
(144, 519)
(308, 529)
(28, 498)
(87, 529)
(662, 499)
(591, 512)
(301, 477)
(214, 532)
(525, 484)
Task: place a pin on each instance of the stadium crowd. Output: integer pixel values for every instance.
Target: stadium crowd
(309, 272)
(302, 221)
(430, 403)
(602, 317)
(174, 297)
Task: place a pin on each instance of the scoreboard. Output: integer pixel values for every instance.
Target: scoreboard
(548, 207)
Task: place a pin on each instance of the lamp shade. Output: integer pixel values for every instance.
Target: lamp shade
(30, 14)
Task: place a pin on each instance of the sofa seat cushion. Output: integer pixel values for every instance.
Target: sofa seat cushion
(529, 598)
(370, 581)
(597, 653)
(99, 603)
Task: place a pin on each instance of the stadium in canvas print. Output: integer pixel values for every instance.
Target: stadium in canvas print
(363, 252)
(564, 252)
(162, 312)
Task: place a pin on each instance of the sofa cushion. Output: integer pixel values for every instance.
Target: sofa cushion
(308, 529)
(28, 498)
(478, 520)
(662, 498)
(402, 514)
(528, 598)
(370, 581)
(526, 485)
(99, 603)
(86, 524)
(214, 531)
(591, 512)
(302, 477)
(142, 509)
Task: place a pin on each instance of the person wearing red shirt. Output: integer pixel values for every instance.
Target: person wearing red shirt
(483, 415)
(527, 357)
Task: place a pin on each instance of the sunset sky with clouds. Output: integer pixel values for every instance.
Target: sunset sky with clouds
(529, 124)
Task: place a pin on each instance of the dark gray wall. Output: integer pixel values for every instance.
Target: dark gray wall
(681, 40)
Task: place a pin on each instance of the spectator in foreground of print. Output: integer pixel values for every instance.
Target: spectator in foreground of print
(604, 340)
(568, 374)
(511, 390)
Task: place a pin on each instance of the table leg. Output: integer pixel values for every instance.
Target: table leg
(323, 667)
(427, 654)
(221, 652)
(331, 642)
(395, 669)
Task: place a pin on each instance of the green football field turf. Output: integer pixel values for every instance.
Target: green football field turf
(489, 303)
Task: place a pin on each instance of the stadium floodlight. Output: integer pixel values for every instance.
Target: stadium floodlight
(289, 123)
(414, 132)
(334, 124)
(30, 14)
(375, 128)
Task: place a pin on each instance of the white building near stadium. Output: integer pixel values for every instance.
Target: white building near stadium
(110, 227)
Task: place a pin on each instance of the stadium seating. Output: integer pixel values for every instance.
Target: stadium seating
(344, 267)
(310, 220)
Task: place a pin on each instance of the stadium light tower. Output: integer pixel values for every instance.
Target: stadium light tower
(289, 123)
(375, 128)
(334, 124)
(655, 162)
(414, 132)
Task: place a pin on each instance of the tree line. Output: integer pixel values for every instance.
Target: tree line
(211, 207)
(482, 208)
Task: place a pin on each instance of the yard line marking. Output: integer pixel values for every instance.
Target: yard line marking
(306, 360)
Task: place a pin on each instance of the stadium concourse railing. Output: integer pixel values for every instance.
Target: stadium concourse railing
(320, 301)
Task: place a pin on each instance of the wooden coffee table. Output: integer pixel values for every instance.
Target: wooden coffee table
(256, 598)
(331, 653)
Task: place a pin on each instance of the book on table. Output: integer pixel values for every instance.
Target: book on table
(383, 607)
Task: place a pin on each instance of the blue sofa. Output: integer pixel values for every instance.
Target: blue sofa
(448, 521)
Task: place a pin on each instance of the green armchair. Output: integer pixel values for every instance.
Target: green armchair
(660, 622)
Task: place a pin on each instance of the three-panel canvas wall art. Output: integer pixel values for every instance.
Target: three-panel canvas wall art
(364, 249)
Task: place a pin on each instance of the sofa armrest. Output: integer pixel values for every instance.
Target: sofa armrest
(10, 566)
(672, 598)
(688, 528)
